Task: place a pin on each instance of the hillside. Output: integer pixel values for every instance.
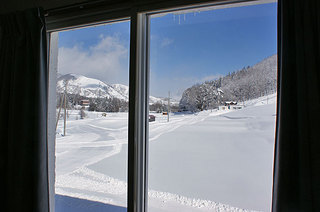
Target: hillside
(247, 83)
(91, 88)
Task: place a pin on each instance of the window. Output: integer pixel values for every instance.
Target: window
(213, 78)
(92, 101)
(194, 132)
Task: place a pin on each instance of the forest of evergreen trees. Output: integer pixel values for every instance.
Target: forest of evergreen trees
(247, 83)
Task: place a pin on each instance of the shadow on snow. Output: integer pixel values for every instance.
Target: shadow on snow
(72, 204)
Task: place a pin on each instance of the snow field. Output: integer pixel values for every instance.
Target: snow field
(226, 158)
(189, 168)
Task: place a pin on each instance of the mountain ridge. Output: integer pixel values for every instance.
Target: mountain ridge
(94, 88)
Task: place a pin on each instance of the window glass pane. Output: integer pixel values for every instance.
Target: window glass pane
(213, 76)
(92, 118)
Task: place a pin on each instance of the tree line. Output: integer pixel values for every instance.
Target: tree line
(95, 104)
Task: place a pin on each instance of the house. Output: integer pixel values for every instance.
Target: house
(230, 105)
(84, 102)
(28, 179)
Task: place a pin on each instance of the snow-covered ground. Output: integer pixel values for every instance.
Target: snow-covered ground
(209, 161)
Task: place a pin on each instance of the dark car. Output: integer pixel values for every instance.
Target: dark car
(152, 118)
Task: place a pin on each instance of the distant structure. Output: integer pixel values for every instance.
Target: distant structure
(84, 106)
(230, 105)
(84, 102)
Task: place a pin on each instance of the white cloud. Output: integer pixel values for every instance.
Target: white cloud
(166, 42)
(107, 60)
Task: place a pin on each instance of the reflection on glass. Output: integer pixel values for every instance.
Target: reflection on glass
(212, 109)
(92, 119)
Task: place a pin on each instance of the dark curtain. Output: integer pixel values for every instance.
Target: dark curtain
(297, 161)
(23, 112)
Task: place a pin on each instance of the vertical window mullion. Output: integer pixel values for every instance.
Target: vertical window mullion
(138, 110)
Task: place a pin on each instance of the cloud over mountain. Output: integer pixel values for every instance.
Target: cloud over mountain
(107, 60)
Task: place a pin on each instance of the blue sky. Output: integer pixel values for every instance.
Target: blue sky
(184, 49)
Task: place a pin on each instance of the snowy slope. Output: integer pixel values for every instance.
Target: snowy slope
(122, 89)
(247, 83)
(88, 87)
(94, 88)
(153, 100)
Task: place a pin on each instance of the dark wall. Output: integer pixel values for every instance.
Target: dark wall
(13, 5)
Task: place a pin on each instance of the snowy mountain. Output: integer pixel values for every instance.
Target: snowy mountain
(124, 90)
(89, 87)
(247, 83)
(121, 89)
(94, 88)
(153, 100)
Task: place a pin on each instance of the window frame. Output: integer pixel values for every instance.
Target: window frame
(138, 128)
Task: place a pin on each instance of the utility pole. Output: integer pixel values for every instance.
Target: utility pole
(168, 106)
(58, 117)
(65, 109)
